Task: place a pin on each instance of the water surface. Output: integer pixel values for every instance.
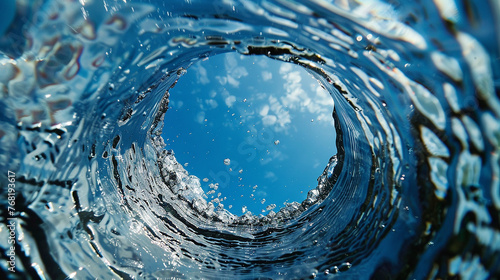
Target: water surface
(91, 98)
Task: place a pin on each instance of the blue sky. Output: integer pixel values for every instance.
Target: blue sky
(260, 129)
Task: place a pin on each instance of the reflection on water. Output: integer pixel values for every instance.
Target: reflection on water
(95, 191)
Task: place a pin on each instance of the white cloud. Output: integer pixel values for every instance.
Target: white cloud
(269, 120)
(263, 62)
(200, 117)
(232, 81)
(294, 77)
(282, 114)
(315, 100)
(234, 71)
(295, 96)
(323, 105)
(262, 193)
(176, 104)
(323, 96)
(270, 175)
(265, 109)
(230, 100)
(266, 76)
(230, 62)
(264, 161)
(260, 96)
(239, 72)
(212, 103)
(285, 68)
(284, 119)
(201, 74)
(222, 80)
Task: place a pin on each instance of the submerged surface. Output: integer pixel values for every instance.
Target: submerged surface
(92, 190)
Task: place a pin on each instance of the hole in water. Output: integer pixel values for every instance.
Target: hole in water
(257, 132)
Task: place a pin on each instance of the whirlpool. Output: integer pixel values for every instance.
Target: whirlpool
(167, 139)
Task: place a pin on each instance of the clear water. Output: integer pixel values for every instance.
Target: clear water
(411, 189)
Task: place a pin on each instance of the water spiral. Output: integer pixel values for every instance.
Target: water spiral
(413, 191)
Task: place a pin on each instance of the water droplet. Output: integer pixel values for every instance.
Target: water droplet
(270, 207)
(205, 180)
(345, 266)
(243, 209)
(227, 161)
(276, 142)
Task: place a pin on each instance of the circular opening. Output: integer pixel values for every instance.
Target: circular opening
(255, 131)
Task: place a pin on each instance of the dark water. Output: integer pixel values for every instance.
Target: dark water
(413, 191)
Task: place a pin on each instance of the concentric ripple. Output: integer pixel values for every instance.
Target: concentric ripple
(413, 192)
